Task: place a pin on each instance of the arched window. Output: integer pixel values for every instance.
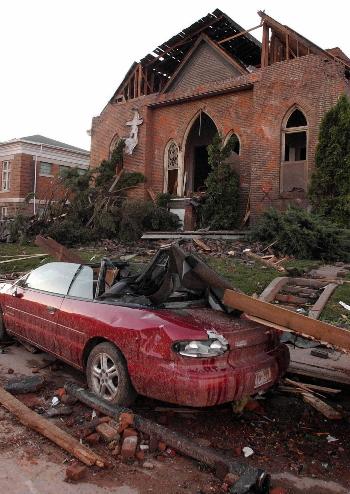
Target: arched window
(236, 143)
(112, 145)
(172, 167)
(294, 152)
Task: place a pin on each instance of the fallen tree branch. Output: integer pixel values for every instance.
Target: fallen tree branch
(36, 422)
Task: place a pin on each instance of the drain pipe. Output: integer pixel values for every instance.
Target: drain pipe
(35, 179)
(249, 477)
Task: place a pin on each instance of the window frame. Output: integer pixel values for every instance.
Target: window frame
(167, 168)
(292, 130)
(41, 174)
(4, 209)
(6, 173)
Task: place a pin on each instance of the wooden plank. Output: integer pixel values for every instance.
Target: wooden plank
(291, 299)
(319, 305)
(23, 258)
(242, 33)
(31, 419)
(201, 244)
(322, 407)
(265, 45)
(313, 387)
(310, 282)
(57, 250)
(273, 288)
(269, 264)
(293, 321)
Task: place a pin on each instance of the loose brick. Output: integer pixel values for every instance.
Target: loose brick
(129, 432)
(93, 438)
(107, 432)
(125, 420)
(129, 447)
(76, 472)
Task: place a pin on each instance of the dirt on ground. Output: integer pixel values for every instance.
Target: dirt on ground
(304, 452)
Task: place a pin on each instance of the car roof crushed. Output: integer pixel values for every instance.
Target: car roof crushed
(173, 278)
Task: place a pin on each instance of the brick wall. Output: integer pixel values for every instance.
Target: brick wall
(312, 82)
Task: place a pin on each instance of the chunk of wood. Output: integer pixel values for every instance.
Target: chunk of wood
(322, 407)
(39, 424)
(57, 250)
(201, 244)
(318, 307)
(288, 320)
(273, 288)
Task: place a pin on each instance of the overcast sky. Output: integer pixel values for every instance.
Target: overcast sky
(61, 60)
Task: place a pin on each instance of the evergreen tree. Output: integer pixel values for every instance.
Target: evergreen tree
(220, 210)
(330, 183)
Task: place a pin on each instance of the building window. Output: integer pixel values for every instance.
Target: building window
(294, 153)
(45, 169)
(172, 168)
(4, 212)
(6, 175)
(63, 170)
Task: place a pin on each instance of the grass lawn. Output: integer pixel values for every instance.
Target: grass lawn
(334, 312)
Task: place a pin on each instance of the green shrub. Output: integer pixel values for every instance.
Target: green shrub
(302, 234)
(138, 216)
(220, 208)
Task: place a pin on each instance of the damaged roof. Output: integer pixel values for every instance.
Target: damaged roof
(167, 57)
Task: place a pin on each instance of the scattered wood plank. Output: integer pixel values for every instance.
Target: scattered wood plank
(288, 320)
(201, 244)
(57, 250)
(322, 407)
(267, 263)
(31, 419)
(313, 387)
(24, 258)
(273, 288)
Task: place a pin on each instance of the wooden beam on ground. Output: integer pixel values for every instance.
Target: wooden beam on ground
(318, 307)
(23, 258)
(292, 321)
(322, 407)
(56, 250)
(31, 419)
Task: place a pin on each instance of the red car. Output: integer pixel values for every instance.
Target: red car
(163, 333)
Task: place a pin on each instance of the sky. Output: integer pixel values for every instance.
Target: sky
(61, 60)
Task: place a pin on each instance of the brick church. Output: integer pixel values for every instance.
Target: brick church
(214, 76)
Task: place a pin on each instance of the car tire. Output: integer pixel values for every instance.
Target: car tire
(107, 375)
(3, 333)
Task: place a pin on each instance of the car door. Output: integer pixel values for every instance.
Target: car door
(32, 311)
(74, 323)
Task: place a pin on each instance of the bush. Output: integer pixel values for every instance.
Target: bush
(302, 234)
(220, 209)
(139, 216)
(330, 183)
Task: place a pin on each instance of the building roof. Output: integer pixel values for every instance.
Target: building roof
(39, 139)
(167, 57)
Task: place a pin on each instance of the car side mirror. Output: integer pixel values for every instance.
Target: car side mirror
(17, 294)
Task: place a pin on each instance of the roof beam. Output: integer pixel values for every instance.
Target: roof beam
(242, 33)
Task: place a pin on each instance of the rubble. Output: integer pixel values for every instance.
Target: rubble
(76, 472)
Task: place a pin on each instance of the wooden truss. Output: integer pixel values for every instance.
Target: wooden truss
(281, 43)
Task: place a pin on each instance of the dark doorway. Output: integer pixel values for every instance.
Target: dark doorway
(201, 167)
(197, 167)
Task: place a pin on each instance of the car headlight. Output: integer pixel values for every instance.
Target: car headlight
(201, 348)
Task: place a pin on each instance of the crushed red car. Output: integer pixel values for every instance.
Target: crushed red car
(163, 333)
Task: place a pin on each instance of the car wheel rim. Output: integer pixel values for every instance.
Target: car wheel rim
(105, 376)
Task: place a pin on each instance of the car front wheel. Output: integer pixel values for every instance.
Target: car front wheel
(107, 375)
